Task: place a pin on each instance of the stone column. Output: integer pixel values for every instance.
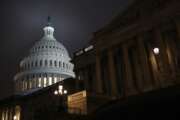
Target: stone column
(129, 86)
(163, 59)
(147, 81)
(178, 27)
(98, 74)
(112, 74)
(10, 114)
(86, 82)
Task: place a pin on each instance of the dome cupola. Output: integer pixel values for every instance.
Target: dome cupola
(47, 63)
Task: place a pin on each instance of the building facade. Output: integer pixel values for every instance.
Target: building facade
(47, 63)
(138, 51)
(135, 53)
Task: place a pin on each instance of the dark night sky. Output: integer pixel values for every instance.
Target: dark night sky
(22, 22)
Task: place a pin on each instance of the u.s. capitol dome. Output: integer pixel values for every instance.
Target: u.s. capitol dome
(47, 63)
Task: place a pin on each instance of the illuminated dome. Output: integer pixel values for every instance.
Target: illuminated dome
(47, 63)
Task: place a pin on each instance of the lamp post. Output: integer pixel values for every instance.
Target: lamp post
(61, 92)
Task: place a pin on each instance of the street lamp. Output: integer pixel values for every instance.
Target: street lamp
(156, 51)
(60, 92)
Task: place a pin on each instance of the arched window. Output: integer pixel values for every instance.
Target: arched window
(50, 63)
(55, 63)
(36, 63)
(46, 63)
(55, 79)
(32, 64)
(45, 81)
(50, 80)
(59, 63)
(66, 66)
(25, 66)
(28, 65)
(39, 82)
(40, 63)
(63, 65)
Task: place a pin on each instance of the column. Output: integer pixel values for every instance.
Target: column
(148, 81)
(77, 80)
(11, 114)
(163, 59)
(129, 87)
(177, 22)
(178, 27)
(98, 74)
(112, 74)
(85, 74)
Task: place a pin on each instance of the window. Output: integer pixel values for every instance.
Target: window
(50, 80)
(45, 81)
(55, 63)
(32, 64)
(39, 82)
(63, 65)
(36, 64)
(40, 63)
(30, 84)
(59, 63)
(25, 85)
(28, 65)
(46, 63)
(50, 62)
(55, 79)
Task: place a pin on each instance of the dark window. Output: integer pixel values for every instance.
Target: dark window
(55, 63)
(36, 64)
(32, 64)
(59, 63)
(63, 64)
(46, 63)
(40, 63)
(50, 62)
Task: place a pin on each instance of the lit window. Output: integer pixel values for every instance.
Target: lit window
(55, 79)
(50, 80)
(45, 81)
(39, 82)
(30, 84)
(88, 48)
(25, 85)
(79, 53)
